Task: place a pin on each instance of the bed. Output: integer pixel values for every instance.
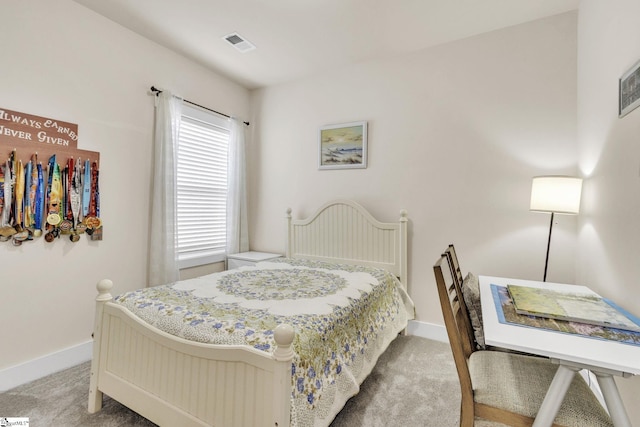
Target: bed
(288, 347)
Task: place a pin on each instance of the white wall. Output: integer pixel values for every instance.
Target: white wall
(456, 133)
(609, 226)
(60, 60)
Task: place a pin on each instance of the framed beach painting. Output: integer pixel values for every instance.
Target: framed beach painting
(343, 146)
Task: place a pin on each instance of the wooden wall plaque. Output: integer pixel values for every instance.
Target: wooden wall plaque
(29, 134)
(59, 211)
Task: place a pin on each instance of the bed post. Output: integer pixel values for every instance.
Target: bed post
(403, 249)
(289, 233)
(95, 396)
(283, 354)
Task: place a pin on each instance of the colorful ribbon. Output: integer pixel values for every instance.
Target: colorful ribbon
(39, 198)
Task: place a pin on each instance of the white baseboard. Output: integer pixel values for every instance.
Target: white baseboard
(41, 367)
(427, 330)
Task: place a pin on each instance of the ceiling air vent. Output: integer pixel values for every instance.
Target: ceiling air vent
(239, 42)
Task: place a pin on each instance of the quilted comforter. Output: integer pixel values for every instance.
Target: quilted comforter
(344, 317)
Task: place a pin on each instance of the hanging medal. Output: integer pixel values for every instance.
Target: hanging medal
(22, 234)
(1, 191)
(6, 230)
(12, 210)
(86, 194)
(31, 195)
(66, 225)
(74, 198)
(97, 192)
(39, 202)
(54, 200)
(86, 189)
(3, 211)
(79, 224)
(48, 227)
(25, 195)
(31, 187)
(97, 232)
(19, 194)
(92, 220)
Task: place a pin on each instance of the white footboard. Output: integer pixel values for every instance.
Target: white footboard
(172, 381)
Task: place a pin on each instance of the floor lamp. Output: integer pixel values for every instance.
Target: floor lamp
(555, 194)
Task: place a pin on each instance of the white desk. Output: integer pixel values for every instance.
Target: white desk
(571, 352)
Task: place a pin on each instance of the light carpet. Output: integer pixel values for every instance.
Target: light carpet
(414, 383)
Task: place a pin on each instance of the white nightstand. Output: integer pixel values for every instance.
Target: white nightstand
(248, 258)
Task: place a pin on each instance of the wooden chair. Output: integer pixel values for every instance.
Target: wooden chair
(505, 387)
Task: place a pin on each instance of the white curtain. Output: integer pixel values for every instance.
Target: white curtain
(237, 223)
(163, 258)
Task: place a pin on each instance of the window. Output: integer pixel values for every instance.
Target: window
(202, 187)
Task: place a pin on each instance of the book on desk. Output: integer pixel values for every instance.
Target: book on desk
(573, 307)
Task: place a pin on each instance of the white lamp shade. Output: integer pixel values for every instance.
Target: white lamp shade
(559, 194)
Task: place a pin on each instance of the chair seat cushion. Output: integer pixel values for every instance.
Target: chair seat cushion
(518, 383)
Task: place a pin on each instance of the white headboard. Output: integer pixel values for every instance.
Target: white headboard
(343, 231)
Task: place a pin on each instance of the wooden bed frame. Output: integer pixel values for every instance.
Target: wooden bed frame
(173, 381)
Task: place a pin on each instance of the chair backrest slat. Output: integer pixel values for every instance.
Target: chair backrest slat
(454, 264)
(457, 282)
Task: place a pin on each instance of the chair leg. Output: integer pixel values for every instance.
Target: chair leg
(467, 416)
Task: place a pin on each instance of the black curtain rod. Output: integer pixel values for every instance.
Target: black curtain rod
(158, 91)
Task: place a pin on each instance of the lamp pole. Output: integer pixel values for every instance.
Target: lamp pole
(546, 261)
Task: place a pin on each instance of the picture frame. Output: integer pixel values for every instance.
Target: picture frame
(343, 146)
(629, 90)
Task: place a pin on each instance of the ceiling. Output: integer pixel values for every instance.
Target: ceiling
(295, 38)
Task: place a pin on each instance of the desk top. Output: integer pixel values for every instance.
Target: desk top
(568, 347)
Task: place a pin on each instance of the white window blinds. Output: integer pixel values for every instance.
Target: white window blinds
(201, 187)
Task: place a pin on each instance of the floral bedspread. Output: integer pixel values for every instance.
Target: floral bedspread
(344, 317)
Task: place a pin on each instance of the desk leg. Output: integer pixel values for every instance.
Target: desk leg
(555, 395)
(612, 399)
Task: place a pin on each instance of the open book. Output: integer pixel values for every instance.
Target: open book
(573, 307)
